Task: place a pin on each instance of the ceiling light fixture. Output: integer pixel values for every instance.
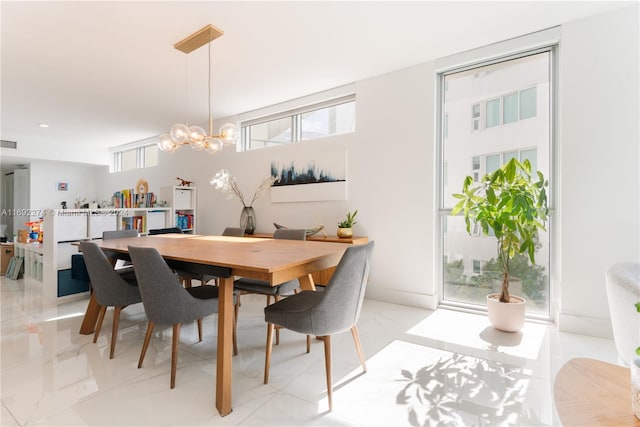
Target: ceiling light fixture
(182, 134)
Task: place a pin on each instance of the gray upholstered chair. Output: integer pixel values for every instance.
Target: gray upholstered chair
(168, 230)
(233, 232)
(110, 289)
(185, 278)
(125, 268)
(255, 286)
(166, 302)
(325, 313)
(230, 232)
(119, 234)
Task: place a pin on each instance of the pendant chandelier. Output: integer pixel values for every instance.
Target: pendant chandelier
(195, 136)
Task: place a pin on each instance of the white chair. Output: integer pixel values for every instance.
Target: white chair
(623, 292)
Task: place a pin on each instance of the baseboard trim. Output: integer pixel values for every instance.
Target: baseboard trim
(585, 325)
(411, 299)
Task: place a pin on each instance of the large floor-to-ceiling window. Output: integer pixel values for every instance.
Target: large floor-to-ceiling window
(491, 112)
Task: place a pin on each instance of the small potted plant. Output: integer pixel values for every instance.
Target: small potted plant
(345, 227)
(513, 205)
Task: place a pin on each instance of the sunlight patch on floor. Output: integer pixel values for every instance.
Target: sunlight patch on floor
(475, 332)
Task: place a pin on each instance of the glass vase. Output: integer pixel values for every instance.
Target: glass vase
(248, 219)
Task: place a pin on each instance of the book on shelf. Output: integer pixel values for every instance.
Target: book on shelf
(128, 198)
(136, 222)
(184, 220)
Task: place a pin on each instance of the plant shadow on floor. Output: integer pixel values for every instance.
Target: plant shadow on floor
(460, 390)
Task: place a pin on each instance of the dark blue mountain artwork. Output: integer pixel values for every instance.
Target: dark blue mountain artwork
(311, 175)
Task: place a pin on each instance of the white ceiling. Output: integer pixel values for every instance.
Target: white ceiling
(105, 73)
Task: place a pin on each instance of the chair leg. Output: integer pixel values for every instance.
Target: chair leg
(276, 298)
(199, 330)
(356, 340)
(267, 358)
(145, 344)
(235, 327)
(174, 353)
(186, 282)
(308, 343)
(327, 365)
(114, 330)
(101, 313)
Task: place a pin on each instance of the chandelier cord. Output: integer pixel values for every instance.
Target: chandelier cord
(209, 89)
(186, 89)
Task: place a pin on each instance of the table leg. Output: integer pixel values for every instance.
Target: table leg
(225, 345)
(306, 283)
(90, 316)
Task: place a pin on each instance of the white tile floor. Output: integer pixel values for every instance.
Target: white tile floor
(425, 368)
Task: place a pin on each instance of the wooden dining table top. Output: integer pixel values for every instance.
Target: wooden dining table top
(271, 260)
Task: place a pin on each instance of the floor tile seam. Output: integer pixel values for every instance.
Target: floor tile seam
(13, 417)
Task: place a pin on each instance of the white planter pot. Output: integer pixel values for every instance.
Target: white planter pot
(635, 387)
(508, 317)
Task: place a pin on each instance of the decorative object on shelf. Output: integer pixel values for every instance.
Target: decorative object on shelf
(184, 182)
(79, 202)
(345, 227)
(142, 187)
(196, 136)
(308, 231)
(63, 205)
(228, 184)
(513, 205)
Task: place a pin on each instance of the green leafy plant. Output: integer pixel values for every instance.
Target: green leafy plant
(512, 204)
(349, 221)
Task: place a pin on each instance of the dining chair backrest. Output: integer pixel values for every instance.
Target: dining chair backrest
(339, 308)
(109, 288)
(290, 234)
(164, 299)
(119, 234)
(233, 232)
(168, 230)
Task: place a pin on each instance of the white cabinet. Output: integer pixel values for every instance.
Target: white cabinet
(183, 202)
(62, 228)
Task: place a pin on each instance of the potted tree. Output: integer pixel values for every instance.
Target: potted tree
(512, 205)
(345, 227)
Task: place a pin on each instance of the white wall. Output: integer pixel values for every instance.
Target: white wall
(391, 175)
(82, 182)
(598, 170)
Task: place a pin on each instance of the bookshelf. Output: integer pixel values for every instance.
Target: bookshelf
(64, 227)
(183, 204)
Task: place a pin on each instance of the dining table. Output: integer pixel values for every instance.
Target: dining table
(271, 260)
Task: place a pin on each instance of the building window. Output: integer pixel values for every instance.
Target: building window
(135, 158)
(494, 95)
(528, 103)
(510, 108)
(492, 163)
(475, 116)
(302, 124)
(493, 113)
(477, 266)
